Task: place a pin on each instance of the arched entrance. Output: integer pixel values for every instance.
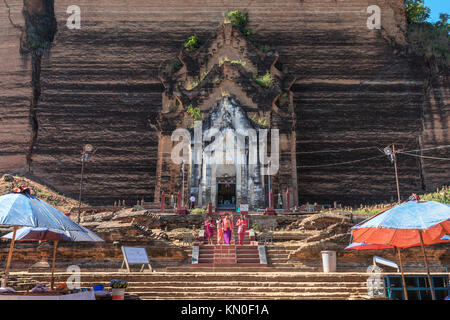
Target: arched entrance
(226, 193)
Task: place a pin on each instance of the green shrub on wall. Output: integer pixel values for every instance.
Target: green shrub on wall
(239, 20)
(265, 81)
(192, 43)
(198, 211)
(194, 112)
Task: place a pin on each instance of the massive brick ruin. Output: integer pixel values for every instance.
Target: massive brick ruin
(355, 88)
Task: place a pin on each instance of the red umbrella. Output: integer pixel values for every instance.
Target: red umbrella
(367, 246)
(406, 225)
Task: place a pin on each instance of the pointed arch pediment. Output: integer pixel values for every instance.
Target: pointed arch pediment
(226, 63)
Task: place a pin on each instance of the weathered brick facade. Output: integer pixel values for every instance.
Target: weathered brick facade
(355, 89)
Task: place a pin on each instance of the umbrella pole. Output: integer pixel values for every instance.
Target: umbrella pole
(427, 266)
(52, 282)
(403, 275)
(11, 248)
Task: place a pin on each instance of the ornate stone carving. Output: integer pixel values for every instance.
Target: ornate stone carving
(231, 87)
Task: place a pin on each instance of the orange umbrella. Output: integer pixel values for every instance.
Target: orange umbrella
(408, 224)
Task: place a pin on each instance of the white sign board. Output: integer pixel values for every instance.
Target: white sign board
(244, 207)
(133, 255)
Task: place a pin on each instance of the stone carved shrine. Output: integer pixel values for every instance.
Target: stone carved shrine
(229, 95)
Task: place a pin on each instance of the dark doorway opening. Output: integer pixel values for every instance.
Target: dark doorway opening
(226, 195)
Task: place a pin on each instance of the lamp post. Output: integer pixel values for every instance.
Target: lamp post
(182, 184)
(392, 153)
(269, 185)
(87, 150)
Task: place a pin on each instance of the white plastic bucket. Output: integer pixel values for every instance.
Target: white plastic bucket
(118, 293)
(329, 261)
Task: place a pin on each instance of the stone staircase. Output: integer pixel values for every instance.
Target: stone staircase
(278, 256)
(226, 285)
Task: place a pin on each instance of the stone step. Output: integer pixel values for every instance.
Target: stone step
(215, 289)
(236, 290)
(253, 297)
(277, 258)
(272, 259)
(208, 276)
(249, 260)
(225, 251)
(248, 295)
(222, 267)
(273, 251)
(252, 284)
(281, 248)
(248, 255)
(222, 261)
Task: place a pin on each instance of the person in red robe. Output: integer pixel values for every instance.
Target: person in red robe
(227, 229)
(219, 225)
(209, 230)
(242, 227)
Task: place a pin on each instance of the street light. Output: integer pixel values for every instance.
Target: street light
(269, 184)
(182, 185)
(87, 150)
(392, 154)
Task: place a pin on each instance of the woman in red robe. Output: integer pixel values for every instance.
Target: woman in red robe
(219, 225)
(227, 228)
(242, 226)
(209, 230)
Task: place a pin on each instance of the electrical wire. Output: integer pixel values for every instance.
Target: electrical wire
(340, 163)
(353, 161)
(336, 151)
(367, 148)
(427, 157)
(417, 150)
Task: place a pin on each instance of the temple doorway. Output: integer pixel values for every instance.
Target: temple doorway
(226, 195)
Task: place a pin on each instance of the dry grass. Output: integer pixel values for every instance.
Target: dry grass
(44, 193)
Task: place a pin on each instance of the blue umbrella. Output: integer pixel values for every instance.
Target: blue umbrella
(399, 225)
(46, 234)
(20, 209)
(23, 209)
(407, 224)
(446, 237)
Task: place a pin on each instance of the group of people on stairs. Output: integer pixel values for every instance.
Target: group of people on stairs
(224, 226)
